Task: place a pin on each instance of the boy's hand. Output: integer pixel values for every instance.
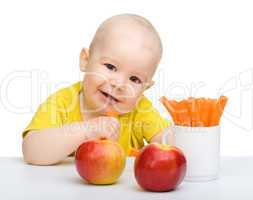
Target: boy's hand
(102, 127)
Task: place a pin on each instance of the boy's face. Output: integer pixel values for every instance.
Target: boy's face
(118, 71)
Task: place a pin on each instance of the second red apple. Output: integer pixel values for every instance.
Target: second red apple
(160, 167)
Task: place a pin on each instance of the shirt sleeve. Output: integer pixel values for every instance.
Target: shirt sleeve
(49, 114)
(150, 119)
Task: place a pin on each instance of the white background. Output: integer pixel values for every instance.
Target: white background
(207, 44)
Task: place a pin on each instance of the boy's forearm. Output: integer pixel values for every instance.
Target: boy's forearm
(159, 137)
(52, 145)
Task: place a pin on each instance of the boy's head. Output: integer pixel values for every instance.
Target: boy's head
(120, 63)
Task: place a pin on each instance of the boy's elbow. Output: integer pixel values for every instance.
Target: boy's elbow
(40, 161)
(33, 155)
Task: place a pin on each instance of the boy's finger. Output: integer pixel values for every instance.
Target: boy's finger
(115, 137)
(115, 125)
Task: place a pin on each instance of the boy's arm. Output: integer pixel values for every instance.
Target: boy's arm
(52, 145)
(159, 136)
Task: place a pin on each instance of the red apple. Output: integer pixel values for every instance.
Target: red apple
(160, 167)
(100, 161)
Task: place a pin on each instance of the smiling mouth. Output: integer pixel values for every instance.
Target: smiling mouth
(110, 97)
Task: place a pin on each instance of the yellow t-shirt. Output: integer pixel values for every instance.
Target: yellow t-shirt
(63, 107)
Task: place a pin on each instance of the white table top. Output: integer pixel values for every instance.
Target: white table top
(21, 181)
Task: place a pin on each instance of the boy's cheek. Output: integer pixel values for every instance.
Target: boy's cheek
(131, 103)
(93, 79)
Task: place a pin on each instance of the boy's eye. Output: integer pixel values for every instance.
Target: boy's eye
(110, 67)
(135, 79)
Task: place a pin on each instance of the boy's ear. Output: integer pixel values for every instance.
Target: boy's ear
(149, 84)
(83, 59)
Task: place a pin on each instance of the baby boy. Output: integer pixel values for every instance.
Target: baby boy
(118, 67)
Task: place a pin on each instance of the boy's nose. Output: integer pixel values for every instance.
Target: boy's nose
(118, 82)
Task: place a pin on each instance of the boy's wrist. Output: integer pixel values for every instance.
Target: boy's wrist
(86, 132)
(79, 129)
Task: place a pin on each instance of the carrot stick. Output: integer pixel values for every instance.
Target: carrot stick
(218, 107)
(199, 123)
(209, 111)
(203, 111)
(214, 114)
(183, 113)
(189, 100)
(171, 107)
(193, 110)
(174, 104)
(222, 101)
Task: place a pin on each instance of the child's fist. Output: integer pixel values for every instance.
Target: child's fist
(102, 127)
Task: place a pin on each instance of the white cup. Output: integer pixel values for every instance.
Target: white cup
(201, 147)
